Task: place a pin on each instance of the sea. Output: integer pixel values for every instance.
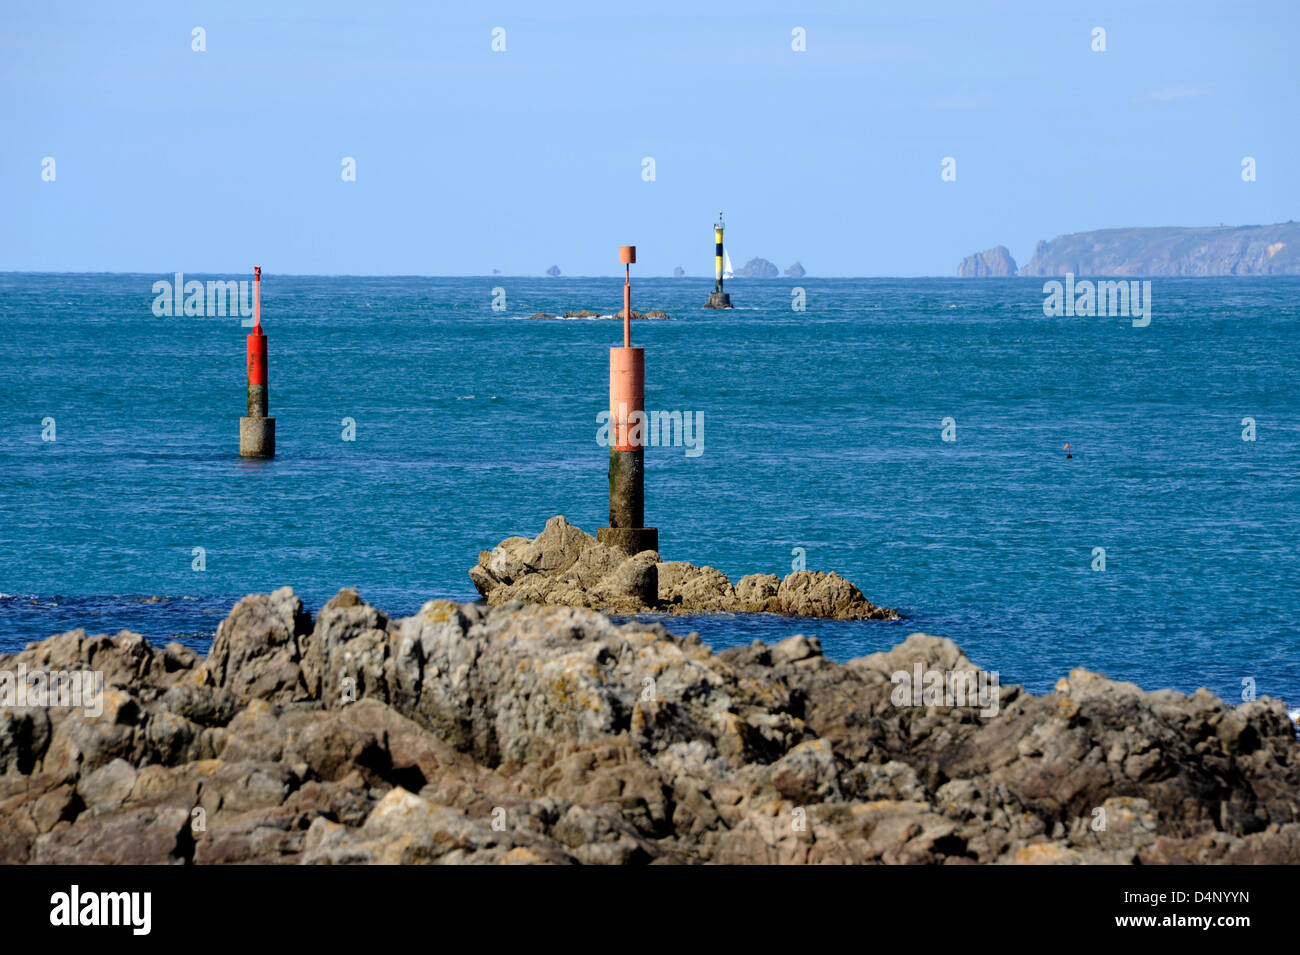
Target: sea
(909, 434)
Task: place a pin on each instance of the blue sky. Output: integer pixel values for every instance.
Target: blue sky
(468, 159)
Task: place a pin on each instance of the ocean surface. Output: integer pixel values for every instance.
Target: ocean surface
(823, 431)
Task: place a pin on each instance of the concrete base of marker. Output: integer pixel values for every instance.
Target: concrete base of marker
(630, 540)
(718, 300)
(258, 401)
(257, 437)
(626, 487)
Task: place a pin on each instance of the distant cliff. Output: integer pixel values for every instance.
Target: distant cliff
(986, 264)
(1222, 250)
(1208, 250)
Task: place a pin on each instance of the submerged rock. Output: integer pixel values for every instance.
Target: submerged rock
(614, 313)
(531, 734)
(565, 565)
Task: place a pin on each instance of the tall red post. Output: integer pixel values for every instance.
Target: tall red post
(257, 430)
(627, 429)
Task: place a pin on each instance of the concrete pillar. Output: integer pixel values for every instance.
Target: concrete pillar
(257, 437)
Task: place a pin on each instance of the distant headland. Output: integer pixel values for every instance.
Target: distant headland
(1168, 250)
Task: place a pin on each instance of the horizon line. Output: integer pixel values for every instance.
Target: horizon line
(702, 278)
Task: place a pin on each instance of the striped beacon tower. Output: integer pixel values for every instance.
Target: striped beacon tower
(718, 298)
(257, 431)
(627, 443)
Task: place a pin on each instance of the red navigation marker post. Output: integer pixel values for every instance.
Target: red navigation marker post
(257, 431)
(627, 430)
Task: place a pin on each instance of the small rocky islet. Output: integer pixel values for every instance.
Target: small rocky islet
(504, 732)
(564, 565)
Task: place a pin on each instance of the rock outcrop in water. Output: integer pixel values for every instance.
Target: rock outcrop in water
(990, 263)
(567, 566)
(469, 734)
(758, 269)
(618, 313)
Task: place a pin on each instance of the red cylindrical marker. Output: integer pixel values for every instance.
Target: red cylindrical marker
(627, 435)
(257, 430)
(257, 397)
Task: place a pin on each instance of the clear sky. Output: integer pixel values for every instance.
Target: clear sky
(469, 159)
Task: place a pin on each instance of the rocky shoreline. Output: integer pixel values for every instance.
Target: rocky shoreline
(534, 734)
(564, 565)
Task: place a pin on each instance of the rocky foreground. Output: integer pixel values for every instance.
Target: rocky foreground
(528, 734)
(566, 566)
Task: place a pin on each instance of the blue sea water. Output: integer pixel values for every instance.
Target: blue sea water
(822, 432)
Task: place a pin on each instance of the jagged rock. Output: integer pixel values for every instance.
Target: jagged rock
(565, 565)
(697, 589)
(678, 272)
(553, 271)
(795, 271)
(349, 643)
(757, 593)
(258, 648)
(547, 734)
(808, 593)
(633, 584)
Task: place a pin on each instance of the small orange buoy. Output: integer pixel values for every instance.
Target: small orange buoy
(1067, 452)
